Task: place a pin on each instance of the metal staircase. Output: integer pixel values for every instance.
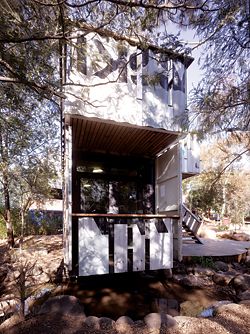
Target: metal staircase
(190, 226)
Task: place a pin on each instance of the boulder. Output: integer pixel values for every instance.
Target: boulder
(190, 281)
(212, 309)
(92, 322)
(245, 302)
(240, 282)
(245, 295)
(12, 321)
(221, 279)
(106, 323)
(167, 305)
(205, 232)
(241, 237)
(203, 272)
(247, 261)
(158, 321)
(221, 266)
(124, 325)
(225, 309)
(190, 308)
(68, 305)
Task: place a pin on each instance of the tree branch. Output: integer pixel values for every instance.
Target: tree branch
(140, 4)
(228, 165)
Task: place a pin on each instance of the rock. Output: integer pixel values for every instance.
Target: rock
(221, 266)
(158, 320)
(245, 302)
(173, 307)
(7, 306)
(92, 322)
(167, 273)
(68, 305)
(190, 270)
(218, 304)
(124, 325)
(240, 237)
(180, 269)
(204, 272)
(165, 305)
(245, 295)
(106, 323)
(240, 282)
(3, 273)
(190, 281)
(232, 307)
(237, 266)
(212, 309)
(153, 320)
(12, 321)
(247, 261)
(177, 278)
(139, 326)
(190, 308)
(221, 279)
(207, 233)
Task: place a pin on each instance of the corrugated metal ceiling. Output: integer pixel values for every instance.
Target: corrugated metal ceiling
(95, 135)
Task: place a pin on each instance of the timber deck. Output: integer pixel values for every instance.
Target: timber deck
(217, 248)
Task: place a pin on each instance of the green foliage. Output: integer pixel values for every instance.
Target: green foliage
(43, 223)
(221, 101)
(200, 194)
(15, 217)
(224, 185)
(3, 229)
(222, 228)
(206, 262)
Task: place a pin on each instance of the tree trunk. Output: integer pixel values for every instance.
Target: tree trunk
(7, 217)
(22, 227)
(6, 194)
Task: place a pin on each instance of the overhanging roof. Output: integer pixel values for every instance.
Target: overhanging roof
(106, 136)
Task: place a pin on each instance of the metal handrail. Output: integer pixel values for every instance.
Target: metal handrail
(191, 213)
(124, 215)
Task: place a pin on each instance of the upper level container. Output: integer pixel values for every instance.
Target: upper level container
(124, 82)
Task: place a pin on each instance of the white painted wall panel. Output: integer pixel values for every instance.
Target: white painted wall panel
(161, 249)
(190, 151)
(138, 249)
(168, 181)
(93, 249)
(167, 164)
(120, 248)
(168, 195)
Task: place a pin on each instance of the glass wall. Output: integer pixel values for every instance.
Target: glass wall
(116, 187)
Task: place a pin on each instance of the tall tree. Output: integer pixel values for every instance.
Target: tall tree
(33, 34)
(221, 102)
(224, 184)
(28, 135)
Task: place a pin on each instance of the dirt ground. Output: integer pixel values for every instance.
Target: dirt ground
(46, 253)
(230, 321)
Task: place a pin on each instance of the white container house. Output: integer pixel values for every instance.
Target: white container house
(124, 155)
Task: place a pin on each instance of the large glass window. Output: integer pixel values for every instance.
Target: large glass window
(110, 188)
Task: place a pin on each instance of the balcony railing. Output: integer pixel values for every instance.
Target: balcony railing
(116, 243)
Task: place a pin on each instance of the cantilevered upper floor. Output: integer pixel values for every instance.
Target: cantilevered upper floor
(125, 81)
